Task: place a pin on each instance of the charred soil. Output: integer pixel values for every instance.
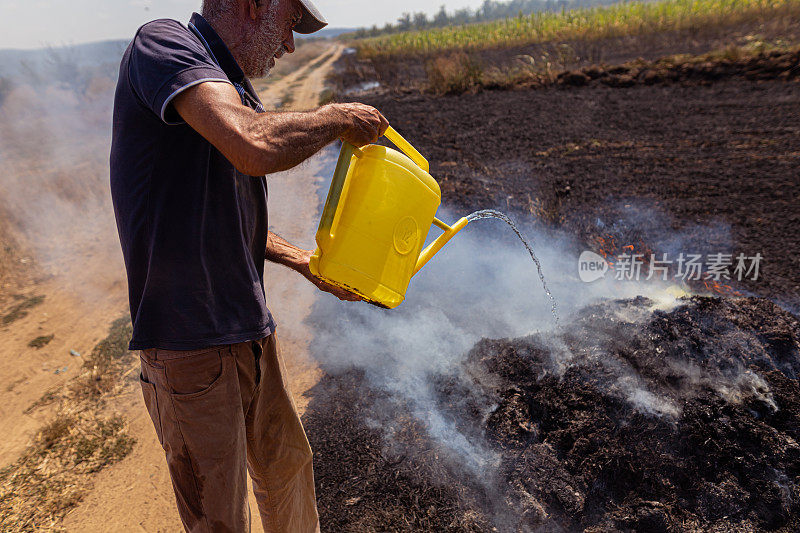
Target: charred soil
(632, 419)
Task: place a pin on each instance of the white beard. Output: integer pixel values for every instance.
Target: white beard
(263, 44)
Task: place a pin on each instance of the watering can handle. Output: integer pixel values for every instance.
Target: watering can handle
(340, 186)
(406, 148)
(441, 240)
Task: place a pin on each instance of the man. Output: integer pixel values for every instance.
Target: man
(191, 145)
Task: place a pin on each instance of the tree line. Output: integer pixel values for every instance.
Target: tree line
(489, 10)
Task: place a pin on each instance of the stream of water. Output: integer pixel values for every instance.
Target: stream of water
(491, 213)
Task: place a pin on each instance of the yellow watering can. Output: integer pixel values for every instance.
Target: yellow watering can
(379, 209)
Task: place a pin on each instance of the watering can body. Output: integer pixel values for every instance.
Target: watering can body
(379, 209)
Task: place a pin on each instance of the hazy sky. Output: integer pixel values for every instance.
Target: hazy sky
(36, 23)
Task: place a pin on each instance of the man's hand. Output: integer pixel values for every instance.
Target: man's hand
(366, 123)
(284, 253)
(340, 293)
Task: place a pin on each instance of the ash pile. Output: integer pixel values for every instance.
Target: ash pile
(629, 418)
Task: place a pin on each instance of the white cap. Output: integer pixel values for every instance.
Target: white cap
(312, 19)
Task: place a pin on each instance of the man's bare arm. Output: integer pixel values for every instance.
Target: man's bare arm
(263, 143)
(281, 251)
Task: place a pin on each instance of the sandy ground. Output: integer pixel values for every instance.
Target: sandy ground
(81, 299)
(135, 494)
(76, 324)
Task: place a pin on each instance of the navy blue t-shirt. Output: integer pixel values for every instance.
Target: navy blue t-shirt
(193, 229)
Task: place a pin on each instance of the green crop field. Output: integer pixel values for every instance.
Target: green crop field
(626, 18)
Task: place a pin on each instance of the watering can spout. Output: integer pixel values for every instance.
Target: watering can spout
(435, 246)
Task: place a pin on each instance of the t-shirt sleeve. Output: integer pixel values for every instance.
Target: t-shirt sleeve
(165, 60)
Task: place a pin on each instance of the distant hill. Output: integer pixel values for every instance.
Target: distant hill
(14, 63)
(326, 33)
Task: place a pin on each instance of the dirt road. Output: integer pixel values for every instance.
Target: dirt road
(301, 89)
(135, 494)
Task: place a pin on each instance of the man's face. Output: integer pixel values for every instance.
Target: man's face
(269, 36)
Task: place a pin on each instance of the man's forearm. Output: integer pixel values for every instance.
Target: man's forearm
(263, 143)
(281, 251)
(281, 141)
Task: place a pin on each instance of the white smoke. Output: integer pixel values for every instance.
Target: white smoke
(55, 133)
(482, 284)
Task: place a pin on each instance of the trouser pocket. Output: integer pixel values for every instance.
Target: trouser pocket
(209, 418)
(151, 402)
(256, 346)
(194, 374)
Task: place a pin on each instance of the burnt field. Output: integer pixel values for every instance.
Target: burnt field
(628, 415)
(725, 152)
(629, 419)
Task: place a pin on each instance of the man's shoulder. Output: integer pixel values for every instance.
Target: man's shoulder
(159, 25)
(165, 58)
(161, 31)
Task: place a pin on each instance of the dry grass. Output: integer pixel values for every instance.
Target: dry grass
(585, 24)
(54, 472)
(15, 265)
(52, 476)
(286, 100)
(547, 209)
(327, 96)
(454, 73)
(106, 363)
(528, 71)
(41, 341)
(20, 310)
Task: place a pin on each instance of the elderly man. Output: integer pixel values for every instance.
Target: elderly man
(191, 146)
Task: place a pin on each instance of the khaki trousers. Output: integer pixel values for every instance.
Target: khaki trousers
(222, 409)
